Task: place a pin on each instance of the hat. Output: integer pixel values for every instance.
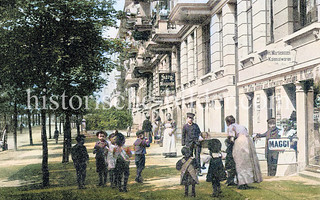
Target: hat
(102, 132)
(80, 137)
(139, 132)
(271, 120)
(191, 115)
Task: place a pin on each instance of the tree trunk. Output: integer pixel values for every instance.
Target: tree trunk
(78, 124)
(60, 121)
(67, 139)
(55, 122)
(33, 124)
(39, 119)
(45, 169)
(50, 126)
(30, 128)
(15, 125)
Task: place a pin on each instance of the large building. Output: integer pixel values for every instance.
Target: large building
(254, 59)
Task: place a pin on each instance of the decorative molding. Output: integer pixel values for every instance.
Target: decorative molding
(249, 61)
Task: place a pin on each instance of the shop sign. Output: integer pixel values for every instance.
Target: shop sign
(287, 79)
(279, 144)
(167, 83)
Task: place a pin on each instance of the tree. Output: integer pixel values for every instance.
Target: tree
(60, 43)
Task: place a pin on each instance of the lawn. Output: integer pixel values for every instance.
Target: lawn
(63, 186)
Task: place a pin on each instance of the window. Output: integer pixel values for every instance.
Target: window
(249, 26)
(304, 13)
(221, 39)
(269, 21)
(206, 50)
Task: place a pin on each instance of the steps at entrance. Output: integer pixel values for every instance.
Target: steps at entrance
(310, 175)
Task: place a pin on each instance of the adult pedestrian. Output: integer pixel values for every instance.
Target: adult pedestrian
(190, 138)
(169, 138)
(156, 129)
(147, 127)
(244, 154)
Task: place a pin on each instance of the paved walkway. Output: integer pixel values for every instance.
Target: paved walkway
(27, 154)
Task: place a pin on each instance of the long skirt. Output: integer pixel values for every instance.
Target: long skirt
(169, 143)
(246, 159)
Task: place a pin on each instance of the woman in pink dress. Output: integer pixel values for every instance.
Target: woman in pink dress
(244, 154)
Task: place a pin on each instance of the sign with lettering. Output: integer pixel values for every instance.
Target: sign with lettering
(279, 144)
(167, 83)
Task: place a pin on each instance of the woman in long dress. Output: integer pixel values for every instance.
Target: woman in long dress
(169, 139)
(244, 154)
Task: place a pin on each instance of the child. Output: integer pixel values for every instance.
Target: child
(140, 150)
(80, 157)
(122, 155)
(111, 160)
(100, 149)
(188, 167)
(216, 171)
(229, 163)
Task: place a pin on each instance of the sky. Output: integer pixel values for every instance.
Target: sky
(112, 33)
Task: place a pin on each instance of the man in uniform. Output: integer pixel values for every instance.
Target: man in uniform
(190, 138)
(271, 155)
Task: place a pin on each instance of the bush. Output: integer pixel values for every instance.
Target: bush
(108, 119)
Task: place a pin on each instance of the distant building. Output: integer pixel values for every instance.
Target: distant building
(253, 59)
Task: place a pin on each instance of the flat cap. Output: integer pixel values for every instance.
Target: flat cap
(139, 132)
(191, 115)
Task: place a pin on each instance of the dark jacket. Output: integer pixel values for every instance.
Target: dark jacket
(79, 154)
(147, 126)
(190, 134)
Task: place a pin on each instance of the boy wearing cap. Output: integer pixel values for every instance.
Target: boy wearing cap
(190, 138)
(272, 156)
(140, 150)
(101, 151)
(80, 157)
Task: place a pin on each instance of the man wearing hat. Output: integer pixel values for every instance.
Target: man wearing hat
(140, 150)
(271, 156)
(80, 157)
(190, 138)
(147, 127)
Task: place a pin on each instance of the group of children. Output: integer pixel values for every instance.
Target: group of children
(112, 157)
(216, 172)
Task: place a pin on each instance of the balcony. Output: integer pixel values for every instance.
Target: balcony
(159, 48)
(190, 12)
(167, 32)
(143, 23)
(130, 81)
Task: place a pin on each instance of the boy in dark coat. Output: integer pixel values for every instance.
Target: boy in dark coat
(188, 167)
(101, 150)
(229, 163)
(216, 171)
(80, 157)
(140, 150)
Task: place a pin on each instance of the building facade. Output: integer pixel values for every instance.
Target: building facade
(253, 59)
